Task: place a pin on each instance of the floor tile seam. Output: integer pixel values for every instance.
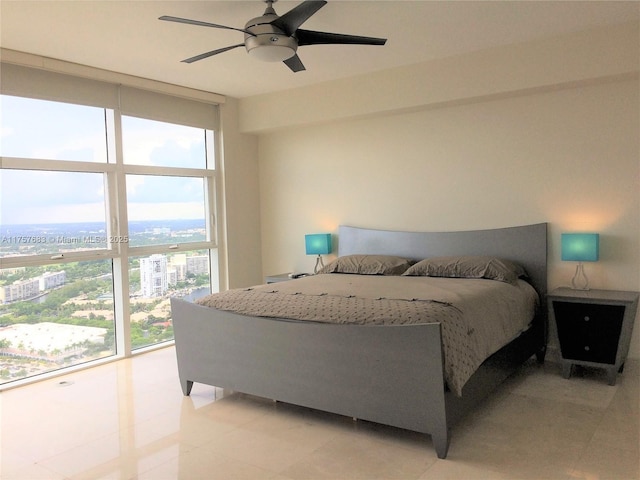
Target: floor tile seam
(311, 456)
(583, 462)
(337, 424)
(600, 423)
(479, 466)
(124, 455)
(161, 444)
(22, 463)
(433, 462)
(593, 440)
(365, 432)
(43, 460)
(190, 449)
(308, 452)
(531, 463)
(140, 471)
(469, 425)
(15, 474)
(576, 459)
(474, 434)
(564, 402)
(220, 428)
(233, 425)
(282, 438)
(150, 422)
(213, 451)
(103, 469)
(53, 470)
(244, 430)
(424, 443)
(244, 462)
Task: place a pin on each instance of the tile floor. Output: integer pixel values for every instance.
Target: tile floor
(129, 420)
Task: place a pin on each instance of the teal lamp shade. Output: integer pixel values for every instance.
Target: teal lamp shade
(580, 247)
(318, 243)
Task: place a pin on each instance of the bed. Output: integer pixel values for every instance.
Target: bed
(389, 374)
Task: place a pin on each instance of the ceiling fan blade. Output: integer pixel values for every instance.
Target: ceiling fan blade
(309, 37)
(294, 63)
(290, 21)
(211, 53)
(169, 18)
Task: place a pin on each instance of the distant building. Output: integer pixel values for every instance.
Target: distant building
(20, 290)
(11, 271)
(198, 264)
(51, 280)
(172, 275)
(153, 275)
(31, 287)
(179, 265)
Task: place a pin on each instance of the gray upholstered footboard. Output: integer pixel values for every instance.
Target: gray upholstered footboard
(387, 374)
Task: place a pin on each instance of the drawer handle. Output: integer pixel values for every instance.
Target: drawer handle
(586, 319)
(586, 348)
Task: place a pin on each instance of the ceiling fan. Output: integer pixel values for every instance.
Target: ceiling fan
(274, 38)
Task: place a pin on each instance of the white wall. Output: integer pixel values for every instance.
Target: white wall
(568, 157)
(566, 154)
(239, 232)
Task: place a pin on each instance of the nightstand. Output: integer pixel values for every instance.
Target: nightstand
(281, 277)
(594, 327)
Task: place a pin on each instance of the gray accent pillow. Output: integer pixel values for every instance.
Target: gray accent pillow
(468, 266)
(368, 265)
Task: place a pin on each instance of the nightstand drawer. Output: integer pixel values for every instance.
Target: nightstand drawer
(589, 332)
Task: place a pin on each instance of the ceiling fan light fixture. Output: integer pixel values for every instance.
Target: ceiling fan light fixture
(271, 48)
(271, 53)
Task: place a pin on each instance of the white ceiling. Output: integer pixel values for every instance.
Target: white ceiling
(127, 37)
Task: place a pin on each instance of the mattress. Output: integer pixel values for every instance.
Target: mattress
(477, 316)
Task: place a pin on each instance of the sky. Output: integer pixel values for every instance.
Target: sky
(56, 131)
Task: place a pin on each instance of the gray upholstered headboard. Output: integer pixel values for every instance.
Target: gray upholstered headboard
(526, 245)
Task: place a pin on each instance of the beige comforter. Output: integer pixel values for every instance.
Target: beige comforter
(477, 316)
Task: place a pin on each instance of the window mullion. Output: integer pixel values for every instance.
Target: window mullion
(118, 226)
(54, 165)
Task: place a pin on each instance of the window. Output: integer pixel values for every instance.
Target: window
(92, 240)
(166, 209)
(59, 131)
(154, 279)
(45, 212)
(55, 316)
(148, 142)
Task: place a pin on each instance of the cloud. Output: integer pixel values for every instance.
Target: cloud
(51, 130)
(35, 188)
(147, 142)
(161, 189)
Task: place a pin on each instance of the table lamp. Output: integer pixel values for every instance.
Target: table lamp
(580, 247)
(318, 244)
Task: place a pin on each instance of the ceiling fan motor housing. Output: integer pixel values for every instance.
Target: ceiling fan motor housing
(267, 42)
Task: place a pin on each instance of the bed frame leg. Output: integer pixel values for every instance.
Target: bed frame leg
(441, 444)
(186, 387)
